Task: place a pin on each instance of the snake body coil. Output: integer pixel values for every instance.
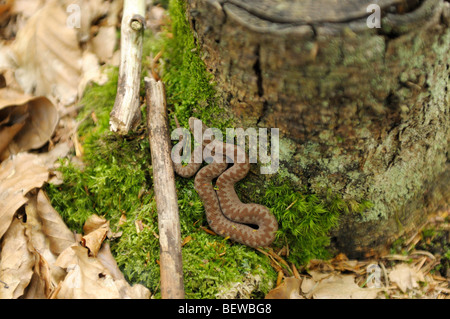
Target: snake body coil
(249, 224)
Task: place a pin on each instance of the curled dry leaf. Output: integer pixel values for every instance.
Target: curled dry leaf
(16, 16)
(95, 229)
(93, 223)
(93, 241)
(26, 122)
(36, 289)
(9, 131)
(32, 222)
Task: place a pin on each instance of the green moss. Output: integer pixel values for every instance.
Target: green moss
(190, 88)
(305, 219)
(115, 169)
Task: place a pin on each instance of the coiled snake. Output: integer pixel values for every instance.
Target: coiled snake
(249, 224)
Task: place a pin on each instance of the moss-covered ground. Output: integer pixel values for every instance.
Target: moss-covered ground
(115, 181)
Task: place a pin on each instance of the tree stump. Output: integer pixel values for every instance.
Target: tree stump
(363, 112)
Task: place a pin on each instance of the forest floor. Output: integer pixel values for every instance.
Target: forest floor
(416, 267)
(103, 175)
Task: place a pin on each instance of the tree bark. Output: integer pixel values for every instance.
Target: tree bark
(362, 111)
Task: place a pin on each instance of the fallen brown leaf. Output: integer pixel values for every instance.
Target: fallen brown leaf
(88, 278)
(16, 263)
(342, 287)
(93, 223)
(405, 277)
(58, 234)
(93, 241)
(18, 175)
(289, 289)
(186, 240)
(8, 132)
(104, 43)
(56, 70)
(96, 229)
(41, 284)
(28, 121)
(106, 258)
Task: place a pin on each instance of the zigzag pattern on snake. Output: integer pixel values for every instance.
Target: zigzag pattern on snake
(226, 214)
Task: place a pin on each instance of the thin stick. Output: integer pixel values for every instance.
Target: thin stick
(125, 114)
(171, 266)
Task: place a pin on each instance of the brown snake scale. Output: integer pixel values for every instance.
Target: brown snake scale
(226, 214)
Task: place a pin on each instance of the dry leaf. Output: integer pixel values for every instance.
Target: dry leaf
(59, 235)
(93, 223)
(405, 277)
(16, 262)
(18, 175)
(39, 126)
(36, 289)
(342, 287)
(48, 55)
(91, 72)
(106, 258)
(87, 278)
(289, 289)
(186, 240)
(104, 43)
(41, 284)
(93, 241)
(38, 115)
(38, 241)
(318, 276)
(8, 132)
(90, 10)
(96, 229)
(307, 286)
(40, 244)
(26, 7)
(5, 11)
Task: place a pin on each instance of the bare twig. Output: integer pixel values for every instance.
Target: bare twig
(126, 113)
(171, 267)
